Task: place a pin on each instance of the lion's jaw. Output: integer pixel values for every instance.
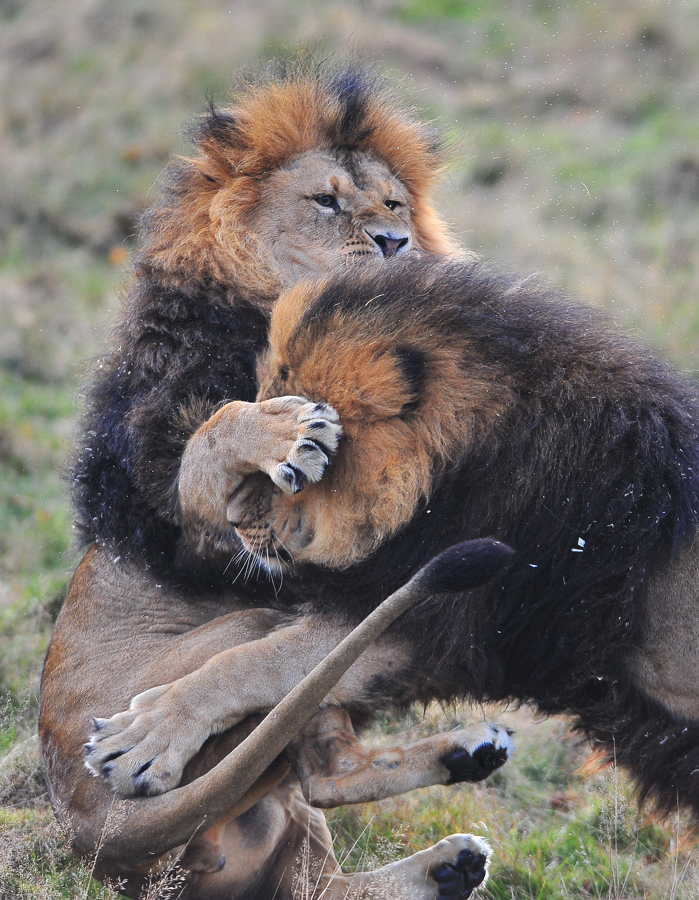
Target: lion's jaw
(277, 530)
(327, 207)
(273, 528)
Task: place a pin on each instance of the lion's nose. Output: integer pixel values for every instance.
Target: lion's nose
(390, 243)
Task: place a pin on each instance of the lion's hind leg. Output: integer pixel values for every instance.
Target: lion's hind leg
(288, 847)
(450, 870)
(304, 864)
(288, 855)
(336, 768)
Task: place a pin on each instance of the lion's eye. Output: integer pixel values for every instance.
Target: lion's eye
(327, 201)
(392, 204)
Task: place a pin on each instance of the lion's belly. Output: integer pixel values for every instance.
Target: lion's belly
(666, 665)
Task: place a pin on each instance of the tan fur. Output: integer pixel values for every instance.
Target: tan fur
(666, 663)
(200, 823)
(228, 194)
(335, 769)
(243, 438)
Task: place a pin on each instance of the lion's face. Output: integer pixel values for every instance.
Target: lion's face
(306, 170)
(276, 529)
(326, 207)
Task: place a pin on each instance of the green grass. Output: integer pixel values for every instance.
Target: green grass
(425, 10)
(35, 531)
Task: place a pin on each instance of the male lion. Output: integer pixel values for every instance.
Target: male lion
(311, 169)
(475, 403)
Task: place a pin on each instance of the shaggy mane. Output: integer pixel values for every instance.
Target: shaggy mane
(197, 315)
(290, 110)
(590, 472)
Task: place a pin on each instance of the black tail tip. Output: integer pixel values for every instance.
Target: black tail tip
(467, 565)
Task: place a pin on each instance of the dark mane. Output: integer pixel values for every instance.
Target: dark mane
(197, 315)
(178, 358)
(592, 476)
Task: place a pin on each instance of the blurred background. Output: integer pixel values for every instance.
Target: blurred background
(575, 134)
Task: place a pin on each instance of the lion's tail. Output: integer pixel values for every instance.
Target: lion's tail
(157, 824)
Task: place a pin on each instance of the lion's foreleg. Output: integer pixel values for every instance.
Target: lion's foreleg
(288, 438)
(144, 749)
(336, 768)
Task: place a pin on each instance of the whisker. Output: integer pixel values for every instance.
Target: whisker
(237, 556)
(281, 571)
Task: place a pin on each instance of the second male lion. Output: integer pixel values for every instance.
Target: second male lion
(473, 404)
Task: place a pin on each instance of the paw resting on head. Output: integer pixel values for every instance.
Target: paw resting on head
(317, 440)
(144, 750)
(478, 750)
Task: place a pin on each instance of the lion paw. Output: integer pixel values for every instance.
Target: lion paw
(318, 437)
(458, 877)
(478, 751)
(143, 751)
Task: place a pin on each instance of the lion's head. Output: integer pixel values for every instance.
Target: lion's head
(409, 397)
(309, 168)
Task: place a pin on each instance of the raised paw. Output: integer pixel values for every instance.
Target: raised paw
(143, 750)
(478, 751)
(457, 880)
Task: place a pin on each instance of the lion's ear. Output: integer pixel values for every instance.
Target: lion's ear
(364, 382)
(208, 169)
(391, 382)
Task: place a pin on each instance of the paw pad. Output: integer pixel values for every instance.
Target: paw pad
(458, 881)
(483, 749)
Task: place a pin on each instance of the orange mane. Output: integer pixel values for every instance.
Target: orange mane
(291, 110)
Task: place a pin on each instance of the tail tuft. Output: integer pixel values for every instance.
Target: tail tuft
(466, 565)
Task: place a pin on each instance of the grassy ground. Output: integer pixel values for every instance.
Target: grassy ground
(575, 131)
(561, 826)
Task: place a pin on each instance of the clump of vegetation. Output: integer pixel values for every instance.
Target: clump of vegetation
(575, 129)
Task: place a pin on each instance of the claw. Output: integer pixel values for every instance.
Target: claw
(116, 754)
(324, 410)
(291, 479)
(144, 767)
(308, 447)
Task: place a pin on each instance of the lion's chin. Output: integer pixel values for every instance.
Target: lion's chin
(272, 560)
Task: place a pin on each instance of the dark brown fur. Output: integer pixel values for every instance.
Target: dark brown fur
(478, 403)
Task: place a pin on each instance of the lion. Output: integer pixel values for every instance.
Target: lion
(312, 170)
(476, 403)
